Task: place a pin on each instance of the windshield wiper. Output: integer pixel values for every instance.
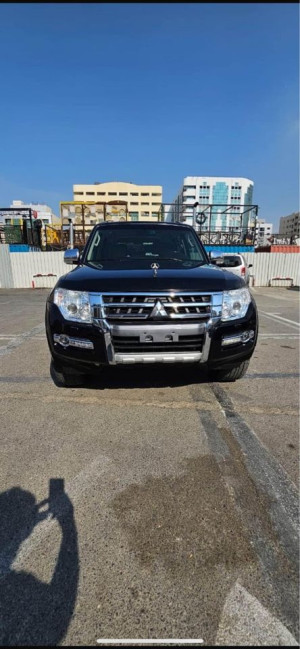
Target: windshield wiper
(183, 261)
(95, 263)
(108, 259)
(169, 259)
(147, 259)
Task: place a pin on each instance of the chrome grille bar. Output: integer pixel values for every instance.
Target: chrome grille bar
(151, 304)
(177, 305)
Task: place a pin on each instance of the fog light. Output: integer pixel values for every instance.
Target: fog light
(247, 335)
(66, 341)
(243, 337)
(62, 340)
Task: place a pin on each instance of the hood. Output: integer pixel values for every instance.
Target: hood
(204, 278)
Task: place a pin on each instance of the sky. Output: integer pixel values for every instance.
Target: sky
(149, 93)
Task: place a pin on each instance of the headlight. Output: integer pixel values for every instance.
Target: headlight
(74, 305)
(235, 304)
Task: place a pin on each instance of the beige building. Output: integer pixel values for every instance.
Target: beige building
(141, 202)
(290, 225)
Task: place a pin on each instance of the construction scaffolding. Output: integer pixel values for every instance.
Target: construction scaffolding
(216, 224)
(17, 226)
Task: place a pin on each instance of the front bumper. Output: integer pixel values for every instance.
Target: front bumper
(168, 343)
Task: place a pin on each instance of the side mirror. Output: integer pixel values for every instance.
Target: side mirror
(215, 258)
(72, 256)
(217, 261)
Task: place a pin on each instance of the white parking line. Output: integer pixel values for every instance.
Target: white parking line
(6, 337)
(277, 318)
(276, 297)
(278, 336)
(149, 641)
(17, 340)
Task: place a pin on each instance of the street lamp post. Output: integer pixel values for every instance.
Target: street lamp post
(71, 232)
(66, 212)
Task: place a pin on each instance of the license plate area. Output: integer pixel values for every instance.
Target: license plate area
(158, 338)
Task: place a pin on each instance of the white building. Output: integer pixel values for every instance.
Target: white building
(219, 192)
(39, 211)
(263, 232)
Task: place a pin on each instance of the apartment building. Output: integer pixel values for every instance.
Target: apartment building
(216, 191)
(290, 225)
(39, 211)
(141, 202)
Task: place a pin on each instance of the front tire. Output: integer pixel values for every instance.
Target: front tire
(230, 375)
(64, 378)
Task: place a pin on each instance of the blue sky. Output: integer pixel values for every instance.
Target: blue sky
(149, 93)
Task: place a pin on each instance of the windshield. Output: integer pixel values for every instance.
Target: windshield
(135, 247)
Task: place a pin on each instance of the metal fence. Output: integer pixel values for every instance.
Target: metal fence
(274, 269)
(19, 269)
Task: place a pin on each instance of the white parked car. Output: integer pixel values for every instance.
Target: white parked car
(235, 263)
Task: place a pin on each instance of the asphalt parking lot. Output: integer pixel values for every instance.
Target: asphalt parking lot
(177, 514)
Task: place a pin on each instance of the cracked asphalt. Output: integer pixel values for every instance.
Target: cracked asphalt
(150, 504)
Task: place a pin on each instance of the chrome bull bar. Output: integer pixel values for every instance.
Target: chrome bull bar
(157, 331)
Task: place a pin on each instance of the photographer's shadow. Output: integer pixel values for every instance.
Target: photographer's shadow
(33, 612)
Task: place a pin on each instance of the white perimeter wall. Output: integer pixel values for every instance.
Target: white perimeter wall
(269, 265)
(17, 269)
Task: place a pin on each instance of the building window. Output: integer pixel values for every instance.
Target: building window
(100, 193)
(145, 213)
(123, 193)
(154, 194)
(78, 193)
(145, 194)
(155, 203)
(112, 193)
(144, 203)
(131, 203)
(90, 193)
(134, 194)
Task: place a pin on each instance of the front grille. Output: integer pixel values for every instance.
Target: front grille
(132, 345)
(140, 306)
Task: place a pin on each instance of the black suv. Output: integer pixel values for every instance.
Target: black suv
(148, 293)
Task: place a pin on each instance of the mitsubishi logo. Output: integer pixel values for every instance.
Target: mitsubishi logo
(158, 310)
